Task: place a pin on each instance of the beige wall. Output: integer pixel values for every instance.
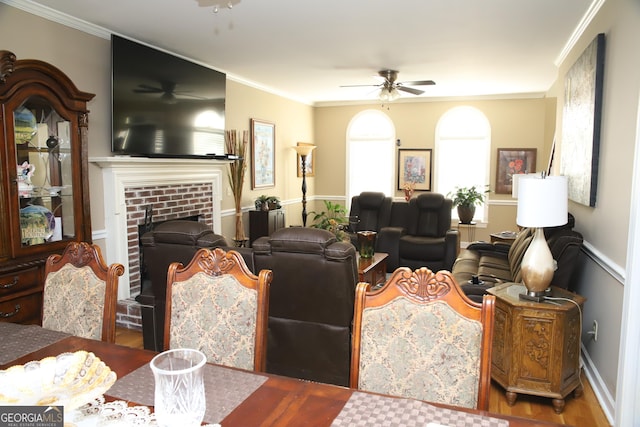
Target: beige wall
(86, 60)
(606, 226)
(515, 123)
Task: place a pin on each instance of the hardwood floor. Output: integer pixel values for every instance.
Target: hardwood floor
(584, 411)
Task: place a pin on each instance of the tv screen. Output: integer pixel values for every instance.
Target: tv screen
(163, 105)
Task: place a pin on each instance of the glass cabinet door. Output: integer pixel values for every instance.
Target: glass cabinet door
(44, 163)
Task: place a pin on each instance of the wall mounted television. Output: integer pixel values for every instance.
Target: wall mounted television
(164, 105)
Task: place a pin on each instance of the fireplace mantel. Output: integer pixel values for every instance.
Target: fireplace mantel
(122, 172)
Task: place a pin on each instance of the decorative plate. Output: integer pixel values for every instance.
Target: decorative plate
(69, 379)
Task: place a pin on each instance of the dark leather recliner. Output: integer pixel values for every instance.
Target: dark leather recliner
(420, 234)
(370, 211)
(495, 263)
(311, 303)
(170, 241)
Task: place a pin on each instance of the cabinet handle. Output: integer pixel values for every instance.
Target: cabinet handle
(16, 311)
(8, 285)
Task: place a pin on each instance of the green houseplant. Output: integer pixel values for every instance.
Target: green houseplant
(466, 199)
(333, 218)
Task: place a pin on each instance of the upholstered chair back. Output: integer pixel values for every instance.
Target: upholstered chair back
(81, 293)
(370, 211)
(420, 337)
(311, 304)
(216, 305)
(429, 215)
(170, 241)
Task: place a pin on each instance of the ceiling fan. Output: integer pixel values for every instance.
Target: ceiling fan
(389, 88)
(168, 91)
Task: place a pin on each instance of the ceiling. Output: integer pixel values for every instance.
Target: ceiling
(306, 50)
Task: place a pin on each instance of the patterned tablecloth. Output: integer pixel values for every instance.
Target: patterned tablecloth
(225, 389)
(372, 410)
(19, 340)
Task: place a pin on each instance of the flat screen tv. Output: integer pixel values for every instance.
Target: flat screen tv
(164, 105)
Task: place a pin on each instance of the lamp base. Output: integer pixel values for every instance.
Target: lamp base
(535, 296)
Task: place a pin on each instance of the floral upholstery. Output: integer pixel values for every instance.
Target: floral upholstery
(420, 337)
(74, 299)
(216, 315)
(405, 353)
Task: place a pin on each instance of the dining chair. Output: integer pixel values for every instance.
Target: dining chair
(81, 293)
(216, 305)
(420, 337)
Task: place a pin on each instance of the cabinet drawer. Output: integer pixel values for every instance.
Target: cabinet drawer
(19, 281)
(25, 309)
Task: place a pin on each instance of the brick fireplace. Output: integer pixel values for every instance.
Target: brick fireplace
(175, 188)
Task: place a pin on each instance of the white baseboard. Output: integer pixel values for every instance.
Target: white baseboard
(606, 400)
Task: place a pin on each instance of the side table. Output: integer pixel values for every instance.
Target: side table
(536, 346)
(373, 270)
(506, 237)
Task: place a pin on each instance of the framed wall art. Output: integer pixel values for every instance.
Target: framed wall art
(581, 114)
(414, 166)
(263, 154)
(310, 169)
(513, 161)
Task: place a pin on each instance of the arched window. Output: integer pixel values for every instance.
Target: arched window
(370, 154)
(462, 153)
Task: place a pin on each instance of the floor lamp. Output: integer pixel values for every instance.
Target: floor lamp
(303, 151)
(542, 202)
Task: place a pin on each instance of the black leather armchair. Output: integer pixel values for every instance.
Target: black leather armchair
(420, 234)
(370, 211)
(311, 303)
(170, 241)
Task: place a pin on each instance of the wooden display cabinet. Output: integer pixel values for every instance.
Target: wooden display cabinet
(536, 346)
(44, 191)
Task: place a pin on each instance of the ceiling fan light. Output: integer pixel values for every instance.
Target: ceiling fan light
(388, 94)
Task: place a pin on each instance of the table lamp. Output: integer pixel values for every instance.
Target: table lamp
(542, 202)
(304, 151)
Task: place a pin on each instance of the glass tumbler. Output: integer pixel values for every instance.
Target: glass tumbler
(179, 387)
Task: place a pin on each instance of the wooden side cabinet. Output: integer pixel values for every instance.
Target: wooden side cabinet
(536, 346)
(263, 223)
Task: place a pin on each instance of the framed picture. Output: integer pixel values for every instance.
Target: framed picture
(263, 154)
(414, 165)
(310, 169)
(513, 161)
(581, 114)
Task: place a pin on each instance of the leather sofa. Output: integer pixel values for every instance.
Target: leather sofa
(420, 234)
(493, 263)
(170, 241)
(311, 295)
(311, 303)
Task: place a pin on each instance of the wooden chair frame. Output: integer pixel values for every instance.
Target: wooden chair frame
(423, 287)
(81, 254)
(216, 262)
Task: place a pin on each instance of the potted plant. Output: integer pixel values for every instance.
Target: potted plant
(334, 219)
(466, 199)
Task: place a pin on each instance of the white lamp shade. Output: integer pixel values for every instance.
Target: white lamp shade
(542, 202)
(514, 183)
(304, 150)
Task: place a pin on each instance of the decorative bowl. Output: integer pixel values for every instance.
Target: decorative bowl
(69, 379)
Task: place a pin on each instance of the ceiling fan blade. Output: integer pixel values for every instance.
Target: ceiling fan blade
(148, 89)
(419, 83)
(410, 90)
(360, 85)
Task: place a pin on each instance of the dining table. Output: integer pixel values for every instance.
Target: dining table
(242, 398)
